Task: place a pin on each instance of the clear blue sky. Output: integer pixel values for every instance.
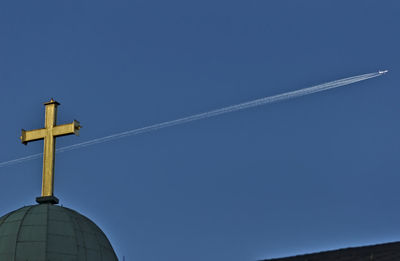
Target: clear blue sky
(315, 173)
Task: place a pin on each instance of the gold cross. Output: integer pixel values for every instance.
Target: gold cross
(49, 134)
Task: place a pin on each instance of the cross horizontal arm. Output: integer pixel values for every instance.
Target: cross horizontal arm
(67, 129)
(32, 135)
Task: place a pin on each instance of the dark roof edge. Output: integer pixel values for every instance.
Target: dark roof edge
(332, 251)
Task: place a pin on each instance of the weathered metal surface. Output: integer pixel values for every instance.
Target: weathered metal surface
(47, 232)
(49, 133)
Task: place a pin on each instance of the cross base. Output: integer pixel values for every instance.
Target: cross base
(47, 199)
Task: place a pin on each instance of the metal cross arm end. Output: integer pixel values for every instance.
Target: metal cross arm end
(23, 137)
(32, 135)
(67, 129)
(77, 127)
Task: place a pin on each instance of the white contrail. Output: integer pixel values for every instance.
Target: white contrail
(213, 113)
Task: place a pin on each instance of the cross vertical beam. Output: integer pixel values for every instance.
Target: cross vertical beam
(49, 149)
(49, 134)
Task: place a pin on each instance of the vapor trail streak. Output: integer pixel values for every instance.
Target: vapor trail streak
(209, 114)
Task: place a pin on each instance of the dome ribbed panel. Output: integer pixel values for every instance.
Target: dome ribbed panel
(31, 238)
(61, 244)
(51, 233)
(9, 232)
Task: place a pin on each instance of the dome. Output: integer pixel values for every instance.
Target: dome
(47, 232)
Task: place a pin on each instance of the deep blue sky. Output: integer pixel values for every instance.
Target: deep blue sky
(315, 173)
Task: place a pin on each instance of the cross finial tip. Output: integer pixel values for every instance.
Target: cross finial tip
(52, 101)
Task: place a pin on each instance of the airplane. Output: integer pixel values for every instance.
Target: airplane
(382, 72)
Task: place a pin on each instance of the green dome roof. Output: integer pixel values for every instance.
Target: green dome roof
(47, 232)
